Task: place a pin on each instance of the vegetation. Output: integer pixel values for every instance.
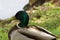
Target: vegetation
(47, 16)
(49, 19)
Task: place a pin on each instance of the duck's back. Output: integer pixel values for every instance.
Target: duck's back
(31, 33)
(36, 34)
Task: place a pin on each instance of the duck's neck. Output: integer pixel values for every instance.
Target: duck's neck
(23, 23)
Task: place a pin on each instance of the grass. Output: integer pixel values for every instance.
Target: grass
(3, 34)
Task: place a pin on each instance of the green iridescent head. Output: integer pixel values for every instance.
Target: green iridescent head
(23, 17)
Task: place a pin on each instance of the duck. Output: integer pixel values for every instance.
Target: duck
(23, 31)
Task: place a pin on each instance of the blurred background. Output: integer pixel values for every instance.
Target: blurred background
(46, 15)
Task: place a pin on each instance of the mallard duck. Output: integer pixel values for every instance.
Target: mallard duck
(22, 31)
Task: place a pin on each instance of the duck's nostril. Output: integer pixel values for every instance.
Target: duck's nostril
(54, 39)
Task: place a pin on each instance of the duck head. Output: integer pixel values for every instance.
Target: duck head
(23, 17)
